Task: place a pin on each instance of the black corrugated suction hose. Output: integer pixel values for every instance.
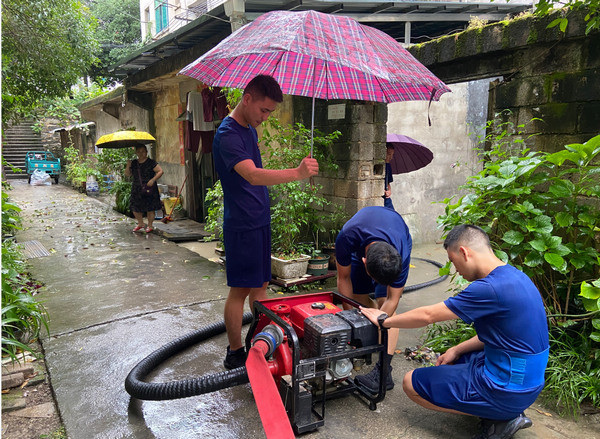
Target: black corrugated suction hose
(429, 282)
(140, 389)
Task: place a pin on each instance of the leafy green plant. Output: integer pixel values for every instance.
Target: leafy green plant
(114, 161)
(573, 371)
(78, 168)
(122, 192)
(22, 316)
(591, 8)
(214, 218)
(540, 211)
(11, 221)
(296, 207)
(442, 336)
(590, 294)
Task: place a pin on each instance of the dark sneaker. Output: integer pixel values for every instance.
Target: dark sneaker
(235, 359)
(370, 381)
(490, 429)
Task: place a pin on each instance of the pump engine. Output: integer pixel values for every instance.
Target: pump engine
(321, 346)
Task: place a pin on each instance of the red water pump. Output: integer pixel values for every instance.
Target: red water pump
(312, 345)
(301, 351)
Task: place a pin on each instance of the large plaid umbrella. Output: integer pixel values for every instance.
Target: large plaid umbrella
(320, 55)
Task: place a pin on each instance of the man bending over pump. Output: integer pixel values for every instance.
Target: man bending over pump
(373, 256)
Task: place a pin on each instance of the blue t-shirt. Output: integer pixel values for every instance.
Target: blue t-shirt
(506, 309)
(246, 206)
(370, 224)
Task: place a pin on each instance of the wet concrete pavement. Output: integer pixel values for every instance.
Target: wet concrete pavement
(115, 296)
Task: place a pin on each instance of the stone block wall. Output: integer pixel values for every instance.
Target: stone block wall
(560, 88)
(359, 151)
(545, 74)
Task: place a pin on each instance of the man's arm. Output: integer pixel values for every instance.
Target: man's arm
(415, 318)
(344, 283)
(390, 303)
(269, 177)
(455, 352)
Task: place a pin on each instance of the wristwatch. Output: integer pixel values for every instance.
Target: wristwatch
(381, 318)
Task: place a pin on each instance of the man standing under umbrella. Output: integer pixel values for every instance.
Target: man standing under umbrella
(247, 218)
(373, 256)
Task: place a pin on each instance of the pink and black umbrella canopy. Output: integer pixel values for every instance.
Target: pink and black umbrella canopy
(409, 154)
(318, 55)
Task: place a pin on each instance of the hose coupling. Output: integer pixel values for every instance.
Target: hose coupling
(272, 335)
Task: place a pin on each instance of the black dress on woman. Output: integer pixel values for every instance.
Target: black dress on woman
(140, 202)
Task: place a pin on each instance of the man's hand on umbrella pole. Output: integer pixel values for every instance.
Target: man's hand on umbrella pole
(308, 168)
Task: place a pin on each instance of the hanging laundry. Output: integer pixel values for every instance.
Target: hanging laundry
(195, 106)
(191, 137)
(214, 101)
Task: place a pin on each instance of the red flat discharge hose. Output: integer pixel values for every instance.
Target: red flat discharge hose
(270, 407)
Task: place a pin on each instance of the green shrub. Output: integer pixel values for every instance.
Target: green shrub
(541, 212)
(214, 218)
(79, 168)
(122, 192)
(297, 207)
(22, 316)
(442, 336)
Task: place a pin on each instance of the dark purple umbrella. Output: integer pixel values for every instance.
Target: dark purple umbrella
(409, 154)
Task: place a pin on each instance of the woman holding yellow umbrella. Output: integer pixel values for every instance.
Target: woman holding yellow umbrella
(144, 192)
(145, 172)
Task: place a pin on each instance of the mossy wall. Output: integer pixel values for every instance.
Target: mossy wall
(546, 74)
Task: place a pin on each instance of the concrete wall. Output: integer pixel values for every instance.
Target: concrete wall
(130, 116)
(546, 74)
(453, 118)
(169, 141)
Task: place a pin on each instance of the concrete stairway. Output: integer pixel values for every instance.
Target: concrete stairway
(16, 141)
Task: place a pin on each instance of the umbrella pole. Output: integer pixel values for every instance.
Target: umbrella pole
(312, 126)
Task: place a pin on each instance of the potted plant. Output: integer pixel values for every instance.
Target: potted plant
(325, 227)
(295, 205)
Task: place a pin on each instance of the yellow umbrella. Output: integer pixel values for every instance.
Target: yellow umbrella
(125, 139)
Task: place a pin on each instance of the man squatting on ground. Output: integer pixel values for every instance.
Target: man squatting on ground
(373, 255)
(498, 373)
(247, 218)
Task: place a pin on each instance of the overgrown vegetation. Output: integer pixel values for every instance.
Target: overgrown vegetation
(297, 207)
(590, 7)
(109, 162)
(214, 217)
(64, 109)
(22, 316)
(46, 47)
(541, 212)
(118, 34)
